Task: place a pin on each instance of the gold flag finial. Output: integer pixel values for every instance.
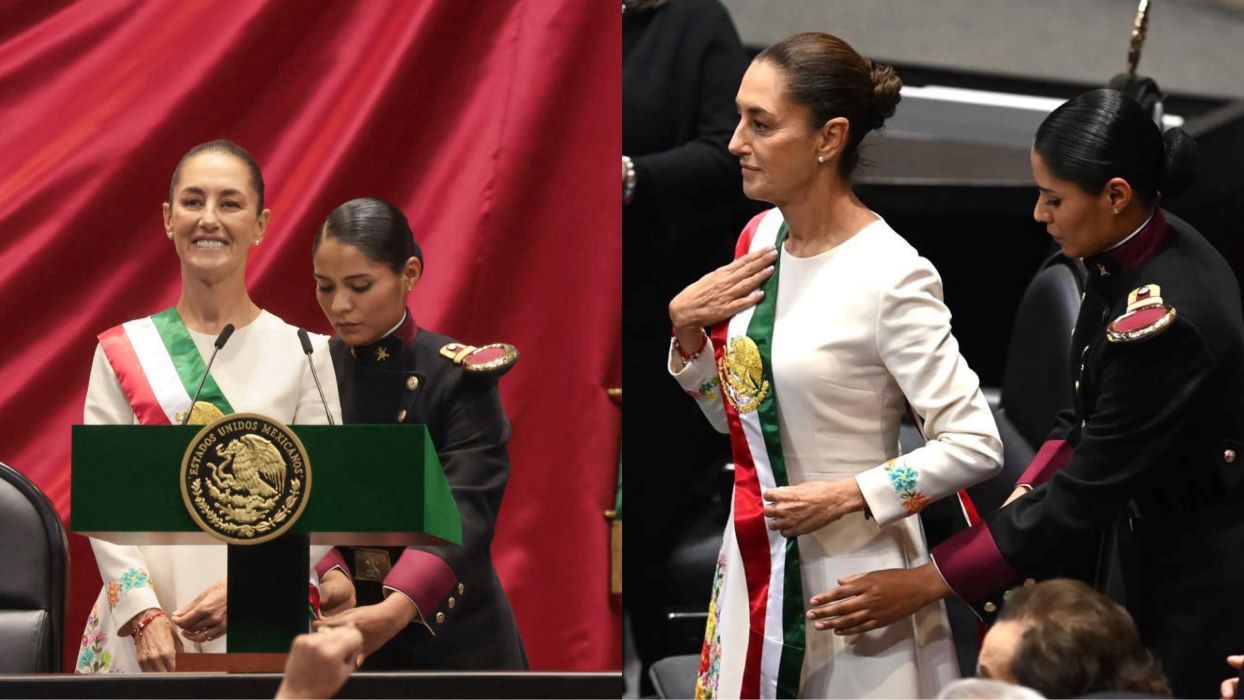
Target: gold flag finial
(1139, 28)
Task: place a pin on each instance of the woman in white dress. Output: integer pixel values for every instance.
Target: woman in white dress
(823, 329)
(158, 599)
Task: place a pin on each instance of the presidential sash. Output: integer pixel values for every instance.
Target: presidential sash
(159, 367)
(743, 348)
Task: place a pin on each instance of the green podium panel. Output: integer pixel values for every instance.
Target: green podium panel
(369, 484)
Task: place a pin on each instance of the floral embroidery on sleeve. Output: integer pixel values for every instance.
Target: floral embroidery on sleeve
(903, 478)
(130, 579)
(707, 390)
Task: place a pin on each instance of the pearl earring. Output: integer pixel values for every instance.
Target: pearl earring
(170, 235)
(820, 159)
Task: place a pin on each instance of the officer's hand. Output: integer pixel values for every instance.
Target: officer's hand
(320, 663)
(864, 602)
(336, 593)
(1230, 686)
(723, 292)
(810, 506)
(378, 623)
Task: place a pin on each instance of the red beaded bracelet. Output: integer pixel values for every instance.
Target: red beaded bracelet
(137, 630)
(688, 358)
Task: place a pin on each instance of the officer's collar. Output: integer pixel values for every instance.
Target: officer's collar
(1107, 268)
(388, 348)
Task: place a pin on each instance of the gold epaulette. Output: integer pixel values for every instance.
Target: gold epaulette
(494, 359)
(1146, 316)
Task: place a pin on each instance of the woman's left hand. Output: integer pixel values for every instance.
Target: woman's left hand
(810, 506)
(864, 602)
(207, 616)
(378, 623)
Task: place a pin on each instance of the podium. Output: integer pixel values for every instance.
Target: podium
(369, 484)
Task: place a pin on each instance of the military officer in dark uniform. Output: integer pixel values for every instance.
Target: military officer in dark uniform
(1157, 435)
(434, 607)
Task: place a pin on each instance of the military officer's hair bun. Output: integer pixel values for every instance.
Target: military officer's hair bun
(1183, 159)
(824, 73)
(1104, 134)
(374, 226)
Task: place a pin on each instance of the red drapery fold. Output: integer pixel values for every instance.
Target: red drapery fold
(494, 125)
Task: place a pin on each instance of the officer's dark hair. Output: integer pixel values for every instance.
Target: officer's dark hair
(222, 146)
(1077, 641)
(1104, 134)
(824, 73)
(374, 226)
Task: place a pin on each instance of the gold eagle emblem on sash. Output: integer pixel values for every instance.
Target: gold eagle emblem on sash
(201, 413)
(742, 375)
(245, 478)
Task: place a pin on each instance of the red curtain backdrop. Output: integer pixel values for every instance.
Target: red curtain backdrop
(494, 124)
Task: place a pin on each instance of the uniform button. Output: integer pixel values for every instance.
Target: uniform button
(452, 602)
(440, 617)
(412, 383)
(990, 607)
(1229, 456)
(401, 416)
(461, 589)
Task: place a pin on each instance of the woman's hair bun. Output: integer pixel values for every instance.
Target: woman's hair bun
(1183, 158)
(886, 88)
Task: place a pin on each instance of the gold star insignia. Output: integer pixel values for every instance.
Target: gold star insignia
(381, 354)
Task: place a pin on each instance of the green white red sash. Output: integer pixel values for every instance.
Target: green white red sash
(159, 367)
(743, 348)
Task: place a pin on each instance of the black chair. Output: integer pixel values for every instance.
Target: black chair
(1036, 383)
(690, 568)
(33, 575)
(674, 676)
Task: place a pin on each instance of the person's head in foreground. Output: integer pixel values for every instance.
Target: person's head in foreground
(1063, 639)
(986, 689)
(366, 264)
(1102, 165)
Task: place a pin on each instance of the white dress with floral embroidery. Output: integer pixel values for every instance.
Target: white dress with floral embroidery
(859, 332)
(262, 369)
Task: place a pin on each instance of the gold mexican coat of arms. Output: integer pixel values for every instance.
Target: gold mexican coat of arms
(245, 478)
(742, 375)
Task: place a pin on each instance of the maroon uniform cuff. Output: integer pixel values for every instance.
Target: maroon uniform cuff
(330, 561)
(1053, 455)
(972, 566)
(425, 578)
